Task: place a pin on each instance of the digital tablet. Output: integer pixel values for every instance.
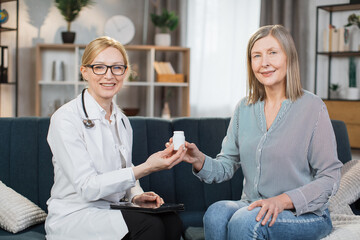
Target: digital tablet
(166, 207)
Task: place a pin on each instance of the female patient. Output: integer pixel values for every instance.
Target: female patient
(91, 142)
(282, 138)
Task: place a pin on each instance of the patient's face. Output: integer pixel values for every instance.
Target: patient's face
(268, 62)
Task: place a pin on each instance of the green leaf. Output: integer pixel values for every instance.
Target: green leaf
(167, 20)
(70, 9)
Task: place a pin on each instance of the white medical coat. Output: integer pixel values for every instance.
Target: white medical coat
(88, 173)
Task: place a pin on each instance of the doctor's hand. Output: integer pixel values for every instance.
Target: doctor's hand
(148, 199)
(271, 207)
(193, 155)
(158, 161)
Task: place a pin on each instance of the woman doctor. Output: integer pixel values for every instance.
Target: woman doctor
(91, 142)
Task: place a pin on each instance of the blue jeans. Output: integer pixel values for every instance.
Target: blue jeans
(231, 220)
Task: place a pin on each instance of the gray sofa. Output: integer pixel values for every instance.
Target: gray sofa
(25, 163)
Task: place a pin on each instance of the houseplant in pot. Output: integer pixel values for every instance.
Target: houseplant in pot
(167, 22)
(70, 9)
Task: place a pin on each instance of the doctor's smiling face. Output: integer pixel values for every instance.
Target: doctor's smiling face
(105, 81)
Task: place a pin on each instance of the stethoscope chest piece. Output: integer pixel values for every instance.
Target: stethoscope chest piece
(88, 123)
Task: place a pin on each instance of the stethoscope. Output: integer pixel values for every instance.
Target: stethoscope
(88, 123)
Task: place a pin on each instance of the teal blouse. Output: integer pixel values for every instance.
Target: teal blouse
(296, 156)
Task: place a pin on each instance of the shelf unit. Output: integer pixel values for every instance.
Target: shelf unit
(339, 109)
(331, 9)
(148, 92)
(9, 89)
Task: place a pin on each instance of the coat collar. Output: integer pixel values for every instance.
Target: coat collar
(93, 108)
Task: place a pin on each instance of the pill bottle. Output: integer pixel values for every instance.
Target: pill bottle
(178, 139)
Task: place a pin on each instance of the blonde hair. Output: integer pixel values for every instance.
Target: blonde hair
(98, 45)
(293, 84)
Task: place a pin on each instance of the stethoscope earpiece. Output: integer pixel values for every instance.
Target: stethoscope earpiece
(87, 122)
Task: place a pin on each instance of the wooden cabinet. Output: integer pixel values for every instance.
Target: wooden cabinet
(144, 94)
(349, 112)
(9, 59)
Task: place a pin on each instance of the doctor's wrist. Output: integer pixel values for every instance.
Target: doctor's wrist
(141, 170)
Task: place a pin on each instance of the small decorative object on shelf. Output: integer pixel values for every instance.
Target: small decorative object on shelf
(165, 113)
(58, 70)
(353, 91)
(4, 64)
(4, 16)
(167, 21)
(334, 91)
(134, 73)
(70, 9)
(354, 23)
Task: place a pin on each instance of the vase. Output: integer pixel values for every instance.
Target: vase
(353, 93)
(165, 113)
(68, 37)
(162, 39)
(354, 38)
(334, 94)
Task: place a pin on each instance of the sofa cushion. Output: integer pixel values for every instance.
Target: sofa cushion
(150, 136)
(17, 212)
(349, 189)
(25, 235)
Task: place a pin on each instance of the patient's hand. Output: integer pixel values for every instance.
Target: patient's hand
(193, 155)
(158, 161)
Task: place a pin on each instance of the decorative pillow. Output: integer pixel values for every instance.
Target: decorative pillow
(16, 211)
(349, 189)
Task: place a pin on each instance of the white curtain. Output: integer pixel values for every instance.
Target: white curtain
(217, 33)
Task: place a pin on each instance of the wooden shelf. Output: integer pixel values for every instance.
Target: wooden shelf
(70, 46)
(3, 1)
(11, 99)
(340, 7)
(6, 29)
(339, 54)
(156, 48)
(148, 86)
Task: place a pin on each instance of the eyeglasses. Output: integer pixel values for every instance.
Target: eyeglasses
(101, 69)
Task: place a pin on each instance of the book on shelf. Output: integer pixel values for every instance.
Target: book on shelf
(4, 62)
(166, 73)
(163, 68)
(344, 36)
(335, 39)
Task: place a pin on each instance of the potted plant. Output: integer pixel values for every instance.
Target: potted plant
(167, 21)
(354, 20)
(334, 90)
(70, 9)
